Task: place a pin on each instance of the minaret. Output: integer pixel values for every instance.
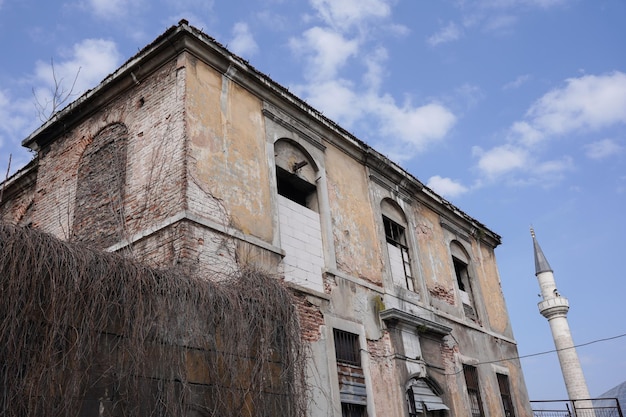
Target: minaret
(554, 307)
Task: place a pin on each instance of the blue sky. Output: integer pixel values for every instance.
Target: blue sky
(514, 110)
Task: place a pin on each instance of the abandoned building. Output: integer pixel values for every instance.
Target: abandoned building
(186, 155)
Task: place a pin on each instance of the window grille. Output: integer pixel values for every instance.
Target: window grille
(347, 349)
(505, 394)
(353, 410)
(473, 390)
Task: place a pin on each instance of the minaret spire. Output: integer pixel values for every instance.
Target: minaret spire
(541, 263)
(554, 307)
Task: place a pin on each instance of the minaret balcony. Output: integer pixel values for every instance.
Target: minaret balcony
(553, 306)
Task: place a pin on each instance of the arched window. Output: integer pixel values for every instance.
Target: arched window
(423, 397)
(395, 225)
(299, 221)
(461, 264)
(99, 206)
(296, 174)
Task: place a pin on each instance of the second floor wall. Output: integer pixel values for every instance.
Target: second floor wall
(214, 145)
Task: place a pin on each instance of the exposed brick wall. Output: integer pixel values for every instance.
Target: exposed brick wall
(154, 183)
(99, 211)
(311, 318)
(442, 293)
(18, 195)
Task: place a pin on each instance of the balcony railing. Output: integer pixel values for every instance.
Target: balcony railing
(599, 407)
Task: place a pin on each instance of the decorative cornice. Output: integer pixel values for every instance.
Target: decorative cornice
(423, 325)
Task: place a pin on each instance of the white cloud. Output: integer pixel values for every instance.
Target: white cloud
(89, 62)
(402, 129)
(243, 42)
(345, 14)
(326, 51)
(109, 9)
(446, 187)
(500, 23)
(589, 102)
(501, 159)
(525, 134)
(57, 83)
(448, 33)
(517, 83)
(336, 98)
(417, 126)
(603, 149)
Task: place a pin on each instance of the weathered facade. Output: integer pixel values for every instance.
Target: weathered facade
(188, 155)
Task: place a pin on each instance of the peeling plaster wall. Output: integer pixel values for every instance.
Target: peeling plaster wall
(227, 154)
(489, 278)
(354, 228)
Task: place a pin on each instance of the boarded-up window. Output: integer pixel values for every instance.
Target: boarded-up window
(99, 206)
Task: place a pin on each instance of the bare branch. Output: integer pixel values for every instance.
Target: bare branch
(6, 177)
(59, 95)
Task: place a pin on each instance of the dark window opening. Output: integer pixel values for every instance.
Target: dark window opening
(353, 410)
(505, 394)
(473, 390)
(294, 188)
(347, 349)
(460, 269)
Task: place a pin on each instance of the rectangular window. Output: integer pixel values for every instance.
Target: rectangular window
(505, 394)
(347, 349)
(473, 390)
(353, 410)
(395, 235)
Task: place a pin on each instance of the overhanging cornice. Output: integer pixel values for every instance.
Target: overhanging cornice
(422, 325)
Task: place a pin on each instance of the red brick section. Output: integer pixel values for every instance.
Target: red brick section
(442, 293)
(380, 351)
(447, 357)
(311, 318)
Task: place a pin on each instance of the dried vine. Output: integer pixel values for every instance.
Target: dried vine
(90, 333)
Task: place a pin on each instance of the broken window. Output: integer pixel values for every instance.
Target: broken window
(296, 174)
(298, 215)
(473, 390)
(394, 223)
(505, 394)
(460, 262)
(293, 187)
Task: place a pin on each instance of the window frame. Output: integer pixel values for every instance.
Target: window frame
(505, 394)
(472, 385)
(347, 348)
(395, 235)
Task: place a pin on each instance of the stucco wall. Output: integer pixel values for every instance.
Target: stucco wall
(355, 234)
(227, 154)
